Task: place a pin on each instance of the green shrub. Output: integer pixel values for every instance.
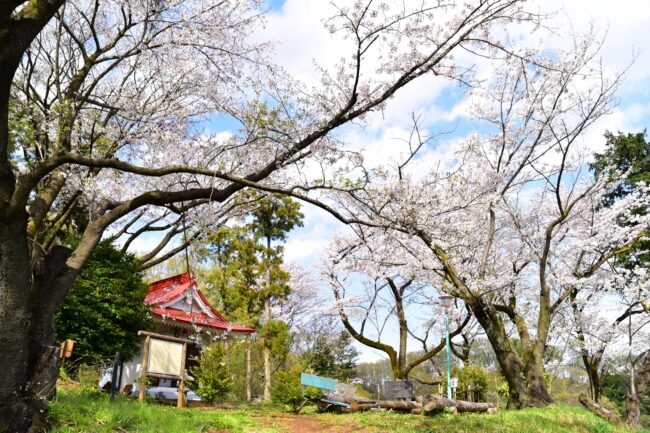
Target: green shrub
(360, 391)
(212, 381)
(286, 387)
(503, 389)
(104, 310)
(88, 375)
(472, 380)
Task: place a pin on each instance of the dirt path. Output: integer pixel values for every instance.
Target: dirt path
(306, 424)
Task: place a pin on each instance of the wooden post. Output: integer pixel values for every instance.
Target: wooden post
(181, 383)
(226, 353)
(143, 368)
(249, 373)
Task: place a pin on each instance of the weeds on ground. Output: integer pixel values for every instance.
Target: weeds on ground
(554, 419)
(80, 409)
(85, 410)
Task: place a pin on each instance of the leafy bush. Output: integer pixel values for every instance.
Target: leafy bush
(503, 389)
(286, 387)
(212, 381)
(104, 310)
(88, 375)
(472, 379)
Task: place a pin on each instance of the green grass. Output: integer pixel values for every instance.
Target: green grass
(77, 409)
(555, 419)
(83, 410)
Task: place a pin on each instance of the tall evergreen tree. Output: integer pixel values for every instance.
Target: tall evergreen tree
(329, 353)
(273, 219)
(626, 160)
(246, 277)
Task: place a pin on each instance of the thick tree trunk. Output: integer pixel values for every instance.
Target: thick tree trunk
(526, 386)
(17, 411)
(30, 362)
(537, 390)
(592, 367)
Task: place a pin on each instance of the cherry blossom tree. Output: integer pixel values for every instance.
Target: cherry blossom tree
(600, 320)
(101, 105)
(515, 223)
(375, 296)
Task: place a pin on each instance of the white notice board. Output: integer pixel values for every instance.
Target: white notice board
(165, 357)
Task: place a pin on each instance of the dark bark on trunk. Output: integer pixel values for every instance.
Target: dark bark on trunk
(36, 362)
(47, 295)
(538, 394)
(18, 409)
(525, 379)
(15, 412)
(508, 360)
(592, 367)
(29, 361)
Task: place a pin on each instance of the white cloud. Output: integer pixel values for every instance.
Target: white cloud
(302, 38)
(306, 244)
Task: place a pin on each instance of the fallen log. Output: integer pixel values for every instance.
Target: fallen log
(401, 405)
(397, 405)
(599, 409)
(434, 403)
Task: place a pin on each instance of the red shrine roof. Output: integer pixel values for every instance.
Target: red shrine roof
(178, 298)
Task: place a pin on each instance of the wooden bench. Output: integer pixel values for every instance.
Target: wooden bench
(323, 384)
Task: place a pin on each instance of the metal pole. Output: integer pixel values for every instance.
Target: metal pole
(448, 354)
(116, 364)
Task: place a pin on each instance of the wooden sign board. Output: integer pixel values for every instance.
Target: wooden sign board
(165, 357)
